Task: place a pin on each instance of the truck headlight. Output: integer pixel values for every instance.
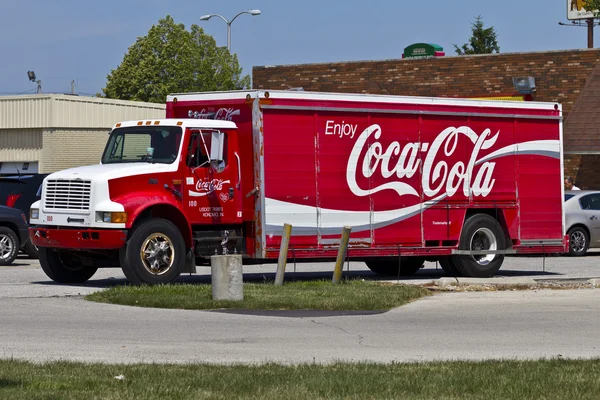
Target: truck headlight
(34, 213)
(111, 217)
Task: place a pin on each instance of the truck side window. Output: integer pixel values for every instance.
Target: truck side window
(199, 150)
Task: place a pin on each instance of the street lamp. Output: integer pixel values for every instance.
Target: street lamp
(33, 78)
(209, 16)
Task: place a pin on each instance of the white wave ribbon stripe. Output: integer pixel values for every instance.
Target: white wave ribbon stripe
(306, 220)
(549, 148)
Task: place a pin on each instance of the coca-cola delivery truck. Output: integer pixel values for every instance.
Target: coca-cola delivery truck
(463, 182)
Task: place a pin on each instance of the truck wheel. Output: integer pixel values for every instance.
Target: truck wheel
(31, 250)
(480, 232)
(579, 241)
(62, 267)
(9, 245)
(155, 253)
(449, 267)
(389, 266)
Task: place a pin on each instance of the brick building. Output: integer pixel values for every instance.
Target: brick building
(570, 77)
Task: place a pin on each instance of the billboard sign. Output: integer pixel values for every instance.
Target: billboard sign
(576, 10)
(423, 50)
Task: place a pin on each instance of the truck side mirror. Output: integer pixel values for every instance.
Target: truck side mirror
(216, 146)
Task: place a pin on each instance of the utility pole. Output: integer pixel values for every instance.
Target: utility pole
(590, 26)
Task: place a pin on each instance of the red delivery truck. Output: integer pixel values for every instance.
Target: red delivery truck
(460, 181)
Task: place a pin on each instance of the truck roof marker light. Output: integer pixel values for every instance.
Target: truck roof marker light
(267, 94)
(176, 181)
(118, 125)
(148, 122)
(140, 123)
(179, 123)
(156, 122)
(174, 99)
(248, 98)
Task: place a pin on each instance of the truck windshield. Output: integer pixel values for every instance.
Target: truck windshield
(154, 144)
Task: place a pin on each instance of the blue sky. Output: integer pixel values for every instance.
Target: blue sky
(64, 40)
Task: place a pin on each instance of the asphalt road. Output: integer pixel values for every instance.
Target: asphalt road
(43, 321)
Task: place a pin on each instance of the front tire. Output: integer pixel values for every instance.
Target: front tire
(31, 250)
(9, 245)
(62, 267)
(579, 241)
(389, 266)
(480, 232)
(155, 253)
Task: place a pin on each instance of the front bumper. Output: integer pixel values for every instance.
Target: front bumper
(69, 238)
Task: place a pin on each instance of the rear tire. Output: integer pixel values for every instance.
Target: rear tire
(579, 241)
(9, 245)
(155, 253)
(480, 232)
(61, 267)
(449, 267)
(389, 266)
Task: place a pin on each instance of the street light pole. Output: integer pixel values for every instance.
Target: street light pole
(209, 16)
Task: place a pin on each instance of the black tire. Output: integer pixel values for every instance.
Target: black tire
(480, 232)
(389, 266)
(449, 267)
(579, 241)
(9, 245)
(31, 250)
(63, 267)
(164, 249)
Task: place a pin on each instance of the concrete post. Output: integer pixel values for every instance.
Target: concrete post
(227, 277)
(339, 262)
(283, 251)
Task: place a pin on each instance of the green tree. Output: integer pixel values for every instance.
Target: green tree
(482, 41)
(592, 5)
(170, 59)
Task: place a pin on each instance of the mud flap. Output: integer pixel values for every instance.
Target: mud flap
(190, 262)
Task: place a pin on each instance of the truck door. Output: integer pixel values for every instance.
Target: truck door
(212, 193)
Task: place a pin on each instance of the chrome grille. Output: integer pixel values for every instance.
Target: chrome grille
(67, 194)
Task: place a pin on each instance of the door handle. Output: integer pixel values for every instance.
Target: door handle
(593, 217)
(239, 168)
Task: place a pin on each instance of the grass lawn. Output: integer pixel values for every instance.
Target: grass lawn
(547, 379)
(350, 295)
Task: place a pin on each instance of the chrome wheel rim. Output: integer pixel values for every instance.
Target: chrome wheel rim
(6, 247)
(483, 239)
(157, 254)
(577, 241)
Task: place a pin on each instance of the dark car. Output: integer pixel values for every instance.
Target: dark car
(13, 233)
(20, 191)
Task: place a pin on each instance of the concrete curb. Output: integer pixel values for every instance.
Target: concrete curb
(497, 281)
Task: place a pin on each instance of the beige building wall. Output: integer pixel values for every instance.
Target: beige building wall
(62, 131)
(67, 148)
(18, 145)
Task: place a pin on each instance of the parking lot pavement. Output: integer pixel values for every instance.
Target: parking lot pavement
(25, 278)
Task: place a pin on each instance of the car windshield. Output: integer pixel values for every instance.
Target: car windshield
(154, 144)
(569, 196)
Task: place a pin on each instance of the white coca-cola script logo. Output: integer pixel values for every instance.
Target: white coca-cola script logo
(206, 187)
(437, 175)
(224, 114)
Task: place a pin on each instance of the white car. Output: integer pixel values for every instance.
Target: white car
(582, 218)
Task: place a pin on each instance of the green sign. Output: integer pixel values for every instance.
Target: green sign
(423, 50)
